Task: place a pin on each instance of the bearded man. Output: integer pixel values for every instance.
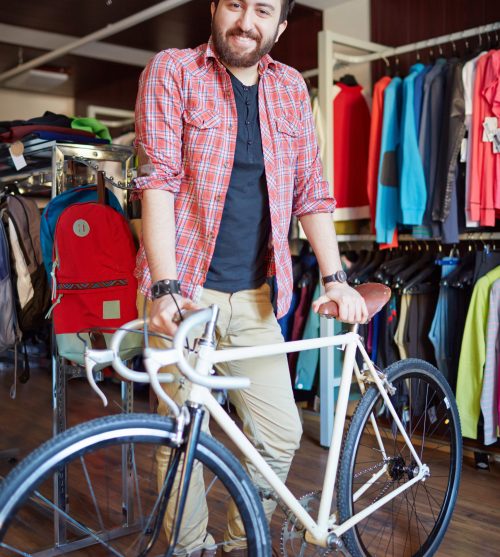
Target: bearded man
(227, 154)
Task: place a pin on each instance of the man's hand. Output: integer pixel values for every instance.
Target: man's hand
(352, 307)
(163, 311)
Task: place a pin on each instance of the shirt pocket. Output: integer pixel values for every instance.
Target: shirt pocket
(288, 129)
(200, 134)
(202, 119)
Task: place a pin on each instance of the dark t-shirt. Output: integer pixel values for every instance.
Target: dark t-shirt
(239, 259)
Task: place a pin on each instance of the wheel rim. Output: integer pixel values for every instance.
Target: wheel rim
(410, 524)
(108, 513)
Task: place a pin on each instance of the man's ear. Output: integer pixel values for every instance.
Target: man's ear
(212, 8)
(281, 29)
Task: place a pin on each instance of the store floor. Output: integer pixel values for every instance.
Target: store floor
(27, 421)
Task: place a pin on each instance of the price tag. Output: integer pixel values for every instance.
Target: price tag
(496, 142)
(463, 150)
(16, 152)
(490, 126)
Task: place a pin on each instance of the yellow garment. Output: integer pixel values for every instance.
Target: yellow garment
(473, 355)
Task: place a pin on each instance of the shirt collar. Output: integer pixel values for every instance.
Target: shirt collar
(266, 62)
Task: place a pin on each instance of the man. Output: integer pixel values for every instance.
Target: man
(227, 153)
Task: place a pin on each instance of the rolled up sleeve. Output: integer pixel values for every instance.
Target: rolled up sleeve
(158, 126)
(311, 190)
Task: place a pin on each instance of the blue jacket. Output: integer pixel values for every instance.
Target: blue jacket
(388, 208)
(413, 192)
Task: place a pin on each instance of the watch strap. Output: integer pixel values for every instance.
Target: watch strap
(338, 276)
(166, 286)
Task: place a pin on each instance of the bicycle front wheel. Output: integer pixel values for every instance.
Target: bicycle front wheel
(92, 491)
(414, 522)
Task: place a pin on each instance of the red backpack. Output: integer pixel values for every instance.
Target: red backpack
(93, 285)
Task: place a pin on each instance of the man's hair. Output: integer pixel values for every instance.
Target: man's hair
(286, 8)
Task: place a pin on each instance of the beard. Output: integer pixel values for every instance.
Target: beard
(230, 56)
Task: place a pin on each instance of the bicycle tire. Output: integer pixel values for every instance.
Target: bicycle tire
(414, 522)
(28, 513)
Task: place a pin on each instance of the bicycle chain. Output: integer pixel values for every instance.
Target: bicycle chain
(374, 467)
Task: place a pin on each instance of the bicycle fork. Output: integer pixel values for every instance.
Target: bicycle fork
(196, 413)
(187, 447)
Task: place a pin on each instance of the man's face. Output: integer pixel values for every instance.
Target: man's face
(245, 31)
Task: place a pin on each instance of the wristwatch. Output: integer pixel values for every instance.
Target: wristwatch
(163, 287)
(338, 276)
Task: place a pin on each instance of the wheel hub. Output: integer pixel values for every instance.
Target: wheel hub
(398, 469)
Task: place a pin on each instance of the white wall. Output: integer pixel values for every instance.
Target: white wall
(352, 18)
(21, 105)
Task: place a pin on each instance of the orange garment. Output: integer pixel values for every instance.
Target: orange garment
(375, 144)
(484, 178)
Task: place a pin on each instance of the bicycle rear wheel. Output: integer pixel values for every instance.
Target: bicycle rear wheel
(108, 512)
(415, 521)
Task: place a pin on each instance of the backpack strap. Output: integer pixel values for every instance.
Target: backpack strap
(101, 188)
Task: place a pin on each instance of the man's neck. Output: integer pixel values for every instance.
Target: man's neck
(247, 76)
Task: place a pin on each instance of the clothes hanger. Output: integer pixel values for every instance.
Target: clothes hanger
(349, 79)
(427, 275)
(406, 274)
(365, 274)
(463, 274)
(388, 71)
(363, 259)
(354, 276)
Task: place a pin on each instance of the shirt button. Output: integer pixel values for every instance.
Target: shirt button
(247, 122)
(247, 102)
(226, 164)
(250, 142)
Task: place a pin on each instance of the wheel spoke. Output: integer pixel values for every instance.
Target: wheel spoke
(413, 522)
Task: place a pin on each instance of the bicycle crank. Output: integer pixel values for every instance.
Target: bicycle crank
(293, 543)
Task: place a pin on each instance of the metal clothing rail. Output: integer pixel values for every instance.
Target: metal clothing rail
(328, 60)
(380, 51)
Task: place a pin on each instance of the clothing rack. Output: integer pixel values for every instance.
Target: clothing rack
(328, 61)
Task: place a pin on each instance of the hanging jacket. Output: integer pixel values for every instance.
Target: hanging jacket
(351, 129)
(387, 212)
(413, 194)
(484, 164)
(473, 355)
(375, 144)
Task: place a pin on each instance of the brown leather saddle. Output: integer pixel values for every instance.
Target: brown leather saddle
(376, 296)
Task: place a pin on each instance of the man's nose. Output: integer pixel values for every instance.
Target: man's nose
(246, 20)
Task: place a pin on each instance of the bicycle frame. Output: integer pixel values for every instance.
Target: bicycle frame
(325, 531)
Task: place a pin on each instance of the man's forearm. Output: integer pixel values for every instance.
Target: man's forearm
(320, 233)
(158, 232)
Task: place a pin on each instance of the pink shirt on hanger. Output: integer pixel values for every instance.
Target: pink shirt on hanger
(484, 178)
(491, 94)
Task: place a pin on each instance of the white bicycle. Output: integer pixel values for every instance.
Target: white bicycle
(395, 472)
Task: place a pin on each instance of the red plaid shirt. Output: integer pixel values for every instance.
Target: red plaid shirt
(186, 123)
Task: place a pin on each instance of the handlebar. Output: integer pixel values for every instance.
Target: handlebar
(155, 358)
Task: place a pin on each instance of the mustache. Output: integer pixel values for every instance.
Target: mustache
(244, 34)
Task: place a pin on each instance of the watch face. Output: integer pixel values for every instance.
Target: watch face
(341, 276)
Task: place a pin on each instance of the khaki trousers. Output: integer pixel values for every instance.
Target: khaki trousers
(267, 408)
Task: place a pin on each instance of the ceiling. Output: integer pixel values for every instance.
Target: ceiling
(106, 72)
